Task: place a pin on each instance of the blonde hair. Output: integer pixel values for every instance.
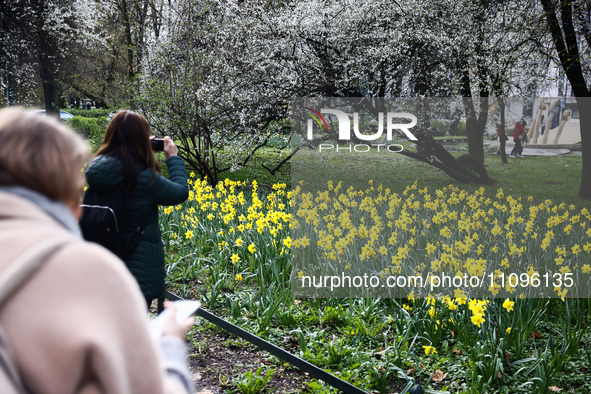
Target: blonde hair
(41, 154)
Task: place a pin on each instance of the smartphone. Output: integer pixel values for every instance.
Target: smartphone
(158, 144)
(184, 309)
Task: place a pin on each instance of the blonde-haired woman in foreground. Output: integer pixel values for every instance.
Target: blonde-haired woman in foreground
(79, 324)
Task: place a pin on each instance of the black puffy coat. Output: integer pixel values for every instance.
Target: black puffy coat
(146, 262)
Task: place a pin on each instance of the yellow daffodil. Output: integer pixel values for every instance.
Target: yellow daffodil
(429, 350)
(477, 319)
(508, 305)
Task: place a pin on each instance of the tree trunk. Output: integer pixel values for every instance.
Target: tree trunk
(128, 38)
(48, 57)
(10, 80)
(566, 41)
(475, 125)
(502, 135)
(584, 104)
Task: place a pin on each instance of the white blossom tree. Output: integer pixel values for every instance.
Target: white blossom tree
(223, 72)
(220, 75)
(37, 35)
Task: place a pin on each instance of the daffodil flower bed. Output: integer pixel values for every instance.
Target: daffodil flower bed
(231, 231)
(486, 247)
(231, 246)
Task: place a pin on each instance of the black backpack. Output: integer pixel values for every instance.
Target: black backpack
(105, 222)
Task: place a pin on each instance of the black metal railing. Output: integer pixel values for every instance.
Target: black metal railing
(284, 355)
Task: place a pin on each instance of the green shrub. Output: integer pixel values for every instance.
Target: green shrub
(462, 128)
(439, 128)
(253, 382)
(91, 113)
(91, 128)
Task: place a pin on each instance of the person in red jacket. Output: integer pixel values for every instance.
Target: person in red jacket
(517, 136)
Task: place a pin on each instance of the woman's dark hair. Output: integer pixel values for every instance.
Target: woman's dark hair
(128, 138)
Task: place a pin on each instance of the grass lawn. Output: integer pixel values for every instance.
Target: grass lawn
(543, 177)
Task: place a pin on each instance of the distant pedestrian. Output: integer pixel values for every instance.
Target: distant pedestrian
(517, 138)
(501, 135)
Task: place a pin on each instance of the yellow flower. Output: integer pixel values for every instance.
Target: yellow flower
(430, 248)
(235, 258)
(505, 262)
(239, 242)
(561, 251)
(445, 232)
(586, 268)
(252, 248)
(477, 319)
(477, 307)
(576, 249)
(508, 330)
(189, 234)
(429, 350)
(238, 277)
(508, 305)
(565, 270)
(432, 312)
(287, 242)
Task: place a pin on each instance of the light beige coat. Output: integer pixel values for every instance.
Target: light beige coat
(79, 326)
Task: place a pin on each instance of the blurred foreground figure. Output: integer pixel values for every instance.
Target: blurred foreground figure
(79, 324)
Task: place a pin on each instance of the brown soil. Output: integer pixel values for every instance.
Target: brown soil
(217, 358)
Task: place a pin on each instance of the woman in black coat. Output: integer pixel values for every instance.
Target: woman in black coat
(126, 159)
